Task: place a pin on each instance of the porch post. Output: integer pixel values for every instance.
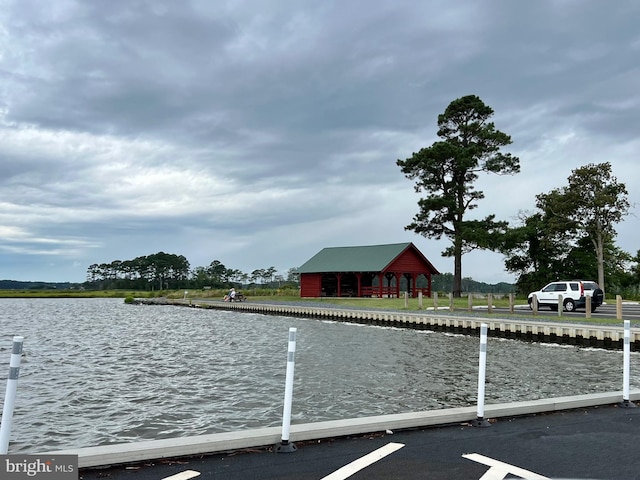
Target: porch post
(398, 276)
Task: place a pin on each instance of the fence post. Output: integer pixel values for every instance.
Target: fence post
(470, 301)
(619, 307)
(482, 364)
(285, 446)
(435, 300)
(490, 303)
(511, 303)
(406, 299)
(625, 370)
(10, 396)
(420, 300)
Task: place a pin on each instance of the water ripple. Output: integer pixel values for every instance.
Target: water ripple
(97, 371)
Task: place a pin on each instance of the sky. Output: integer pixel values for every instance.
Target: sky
(257, 133)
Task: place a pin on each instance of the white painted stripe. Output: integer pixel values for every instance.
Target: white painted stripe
(500, 470)
(186, 475)
(363, 462)
(495, 473)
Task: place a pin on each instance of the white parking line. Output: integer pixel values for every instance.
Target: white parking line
(186, 475)
(499, 470)
(363, 462)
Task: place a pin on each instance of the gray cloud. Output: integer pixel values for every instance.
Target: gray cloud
(266, 131)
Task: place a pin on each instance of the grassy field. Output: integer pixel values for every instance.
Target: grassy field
(386, 303)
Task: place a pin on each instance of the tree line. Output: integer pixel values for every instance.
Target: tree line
(166, 271)
(569, 235)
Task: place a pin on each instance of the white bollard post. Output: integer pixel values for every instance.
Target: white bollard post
(10, 396)
(625, 369)
(480, 421)
(284, 446)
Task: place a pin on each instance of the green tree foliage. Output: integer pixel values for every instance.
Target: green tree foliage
(627, 282)
(446, 172)
(535, 252)
(444, 283)
(167, 271)
(572, 233)
(217, 273)
(293, 275)
(158, 271)
(592, 204)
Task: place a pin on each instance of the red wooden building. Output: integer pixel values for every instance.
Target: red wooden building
(367, 271)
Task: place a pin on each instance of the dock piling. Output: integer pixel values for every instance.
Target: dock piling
(285, 446)
(10, 396)
(481, 421)
(625, 371)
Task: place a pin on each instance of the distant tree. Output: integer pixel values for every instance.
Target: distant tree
(269, 273)
(589, 206)
(293, 275)
(447, 171)
(258, 273)
(535, 251)
(92, 273)
(162, 269)
(217, 273)
(234, 275)
(200, 277)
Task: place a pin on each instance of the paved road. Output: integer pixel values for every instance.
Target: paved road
(629, 312)
(600, 443)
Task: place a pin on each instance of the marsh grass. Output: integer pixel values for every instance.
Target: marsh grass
(77, 294)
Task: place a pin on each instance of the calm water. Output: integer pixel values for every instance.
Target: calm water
(97, 371)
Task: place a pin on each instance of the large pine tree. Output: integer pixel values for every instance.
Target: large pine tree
(446, 172)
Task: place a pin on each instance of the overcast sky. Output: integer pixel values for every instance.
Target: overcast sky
(259, 132)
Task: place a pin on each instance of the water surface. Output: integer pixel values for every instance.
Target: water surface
(97, 371)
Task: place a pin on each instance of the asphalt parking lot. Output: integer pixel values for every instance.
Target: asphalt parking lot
(591, 443)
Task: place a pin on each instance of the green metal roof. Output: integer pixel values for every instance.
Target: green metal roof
(371, 258)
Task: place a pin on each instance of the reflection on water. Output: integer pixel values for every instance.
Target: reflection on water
(97, 371)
